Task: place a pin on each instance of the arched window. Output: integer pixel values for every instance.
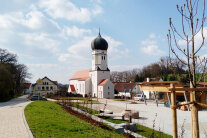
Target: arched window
(51, 88)
(43, 88)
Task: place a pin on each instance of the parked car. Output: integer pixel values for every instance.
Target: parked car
(139, 97)
(36, 97)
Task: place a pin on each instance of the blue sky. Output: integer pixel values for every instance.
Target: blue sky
(52, 37)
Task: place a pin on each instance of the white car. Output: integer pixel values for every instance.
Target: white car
(139, 97)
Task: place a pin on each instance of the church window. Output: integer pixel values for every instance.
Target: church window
(80, 87)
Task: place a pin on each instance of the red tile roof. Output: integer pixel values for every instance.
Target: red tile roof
(72, 88)
(26, 85)
(203, 83)
(81, 75)
(120, 86)
(103, 82)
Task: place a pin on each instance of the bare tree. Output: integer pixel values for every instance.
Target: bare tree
(191, 29)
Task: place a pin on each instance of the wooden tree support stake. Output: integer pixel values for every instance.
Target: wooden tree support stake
(174, 112)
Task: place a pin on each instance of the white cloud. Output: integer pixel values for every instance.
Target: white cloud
(150, 47)
(31, 21)
(41, 41)
(42, 65)
(67, 10)
(81, 51)
(152, 36)
(182, 43)
(76, 32)
(198, 39)
(152, 50)
(97, 10)
(149, 42)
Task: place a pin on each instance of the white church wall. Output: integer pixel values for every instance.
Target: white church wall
(88, 86)
(97, 77)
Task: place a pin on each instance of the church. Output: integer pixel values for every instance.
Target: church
(96, 81)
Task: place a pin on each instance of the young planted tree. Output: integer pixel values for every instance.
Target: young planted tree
(191, 35)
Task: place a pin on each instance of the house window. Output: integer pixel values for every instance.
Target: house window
(108, 93)
(47, 88)
(38, 88)
(47, 83)
(108, 88)
(102, 57)
(43, 88)
(51, 88)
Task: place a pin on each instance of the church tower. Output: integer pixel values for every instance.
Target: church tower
(100, 70)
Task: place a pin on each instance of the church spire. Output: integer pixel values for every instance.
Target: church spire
(99, 33)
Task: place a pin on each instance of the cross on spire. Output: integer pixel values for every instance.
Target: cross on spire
(99, 34)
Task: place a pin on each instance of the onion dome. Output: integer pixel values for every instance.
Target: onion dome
(99, 43)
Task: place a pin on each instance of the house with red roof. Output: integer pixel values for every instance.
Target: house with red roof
(96, 81)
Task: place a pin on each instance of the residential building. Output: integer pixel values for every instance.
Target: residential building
(44, 86)
(123, 88)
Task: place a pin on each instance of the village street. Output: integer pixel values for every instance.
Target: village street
(163, 120)
(12, 123)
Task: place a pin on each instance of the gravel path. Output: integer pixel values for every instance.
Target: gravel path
(163, 120)
(12, 121)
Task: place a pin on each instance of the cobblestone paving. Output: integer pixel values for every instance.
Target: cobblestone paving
(163, 120)
(12, 123)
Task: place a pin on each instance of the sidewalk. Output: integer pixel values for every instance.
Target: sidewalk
(12, 123)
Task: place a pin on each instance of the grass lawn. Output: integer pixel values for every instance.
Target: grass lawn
(48, 119)
(147, 132)
(115, 121)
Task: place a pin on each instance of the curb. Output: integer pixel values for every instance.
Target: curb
(26, 124)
